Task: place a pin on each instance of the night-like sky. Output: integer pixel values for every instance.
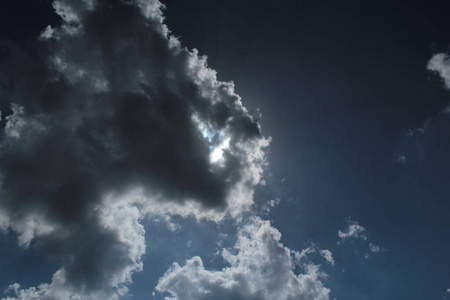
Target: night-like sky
(216, 149)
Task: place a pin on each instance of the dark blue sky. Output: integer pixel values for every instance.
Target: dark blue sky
(359, 136)
(340, 85)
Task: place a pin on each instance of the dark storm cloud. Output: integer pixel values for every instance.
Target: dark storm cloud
(104, 104)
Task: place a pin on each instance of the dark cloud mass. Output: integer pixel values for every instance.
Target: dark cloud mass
(104, 104)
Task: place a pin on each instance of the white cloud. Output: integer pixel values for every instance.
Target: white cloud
(353, 231)
(260, 267)
(328, 255)
(440, 63)
(356, 232)
(302, 257)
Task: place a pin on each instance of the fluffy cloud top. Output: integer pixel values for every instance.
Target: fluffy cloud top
(260, 267)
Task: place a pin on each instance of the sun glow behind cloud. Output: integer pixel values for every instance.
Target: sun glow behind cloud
(128, 125)
(217, 151)
(218, 141)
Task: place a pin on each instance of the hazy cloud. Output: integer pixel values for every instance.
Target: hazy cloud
(446, 294)
(302, 257)
(356, 232)
(374, 248)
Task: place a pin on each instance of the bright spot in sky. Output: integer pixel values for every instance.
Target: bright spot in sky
(215, 148)
(217, 152)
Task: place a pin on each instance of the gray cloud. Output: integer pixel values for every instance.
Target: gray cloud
(111, 118)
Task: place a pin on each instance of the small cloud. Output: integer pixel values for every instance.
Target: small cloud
(302, 256)
(440, 64)
(328, 255)
(222, 237)
(375, 248)
(354, 230)
(269, 204)
(410, 133)
(446, 294)
(401, 159)
(274, 202)
(48, 33)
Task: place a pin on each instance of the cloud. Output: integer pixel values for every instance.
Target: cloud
(374, 248)
(440, 64)
(353, 231)
(101, 258)
(328, 255)
(401, 159)
(110, 120)
(302, 257)
(260, 267)
(356, 232)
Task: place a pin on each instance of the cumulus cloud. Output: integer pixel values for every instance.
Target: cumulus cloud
(260, 267)
(111, 119)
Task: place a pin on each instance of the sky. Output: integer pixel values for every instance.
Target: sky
(224, 149)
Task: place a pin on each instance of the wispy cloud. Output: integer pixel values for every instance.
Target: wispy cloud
(446, 294)
(353, 231)
(440, 63)
(356, 232)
